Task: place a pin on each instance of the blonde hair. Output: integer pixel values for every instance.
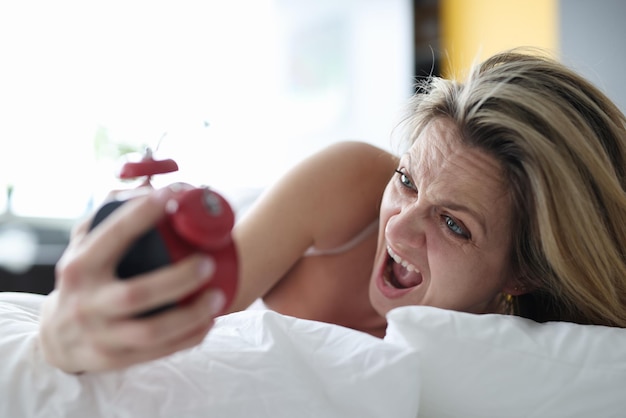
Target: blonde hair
(562, 145)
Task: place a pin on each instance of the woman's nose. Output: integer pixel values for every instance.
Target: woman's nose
(406, 228)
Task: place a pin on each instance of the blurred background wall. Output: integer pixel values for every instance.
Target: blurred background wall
(586, 35)
(476, 29)
(591, 36)
(236, 91)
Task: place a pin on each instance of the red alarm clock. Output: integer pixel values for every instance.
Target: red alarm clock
(197, 220)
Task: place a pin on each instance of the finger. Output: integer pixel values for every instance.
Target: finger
(110, 239)
(125, 194)
(80, 228)
(124, 298)
(92, 257)
(165, 329)
(181, 186)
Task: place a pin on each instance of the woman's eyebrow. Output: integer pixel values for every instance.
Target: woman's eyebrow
(405, 159)
(479, 217)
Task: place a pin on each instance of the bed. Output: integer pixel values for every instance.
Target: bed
(257, 363)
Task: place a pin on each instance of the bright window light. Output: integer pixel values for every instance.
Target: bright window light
(238, 90)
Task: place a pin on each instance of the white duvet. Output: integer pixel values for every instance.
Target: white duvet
(432, 363)
(252, 364)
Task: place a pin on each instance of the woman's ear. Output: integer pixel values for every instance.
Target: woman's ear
(516, 287)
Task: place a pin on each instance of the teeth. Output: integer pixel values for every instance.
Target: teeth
(399, 260)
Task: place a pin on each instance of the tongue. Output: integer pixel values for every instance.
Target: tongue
(405, 278)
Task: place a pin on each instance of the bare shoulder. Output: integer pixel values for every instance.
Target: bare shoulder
(349, 162)
(337, 186)
(356, 154)
(323, 200)
(348, 182)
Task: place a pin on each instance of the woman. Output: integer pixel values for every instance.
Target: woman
(510, 199)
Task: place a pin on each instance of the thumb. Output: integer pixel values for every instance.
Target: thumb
(121, 224)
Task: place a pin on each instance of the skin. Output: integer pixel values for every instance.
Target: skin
(88, 321)
(447, 216)
(323, 202)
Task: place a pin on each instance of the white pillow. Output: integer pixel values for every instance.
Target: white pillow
(252, 364)
(503, 366)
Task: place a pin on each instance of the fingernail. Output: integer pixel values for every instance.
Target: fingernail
(216, 301)
(163, 194)
(128, 194)
(206, 267)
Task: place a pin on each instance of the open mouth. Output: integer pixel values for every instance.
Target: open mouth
(399, 273)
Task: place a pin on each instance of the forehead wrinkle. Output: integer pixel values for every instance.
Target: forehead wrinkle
(440, 155)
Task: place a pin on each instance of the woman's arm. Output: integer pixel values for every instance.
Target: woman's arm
(89, 321)
(323, 201)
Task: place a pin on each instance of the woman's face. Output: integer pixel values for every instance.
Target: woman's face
(444, 238)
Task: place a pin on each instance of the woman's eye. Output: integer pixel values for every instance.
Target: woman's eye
(405, 180)
(455, 227)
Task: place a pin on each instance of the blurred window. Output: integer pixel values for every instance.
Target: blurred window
(239, 90)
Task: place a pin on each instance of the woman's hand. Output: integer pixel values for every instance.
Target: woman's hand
(89, 321)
